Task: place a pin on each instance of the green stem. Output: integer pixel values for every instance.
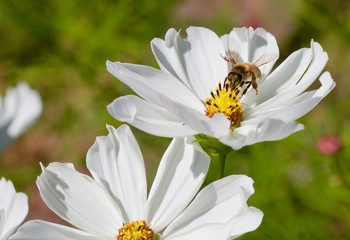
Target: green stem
(222, 159)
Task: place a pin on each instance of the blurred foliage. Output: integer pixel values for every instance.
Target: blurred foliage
(60, 49)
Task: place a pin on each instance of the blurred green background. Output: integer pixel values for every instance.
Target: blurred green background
(60, 49)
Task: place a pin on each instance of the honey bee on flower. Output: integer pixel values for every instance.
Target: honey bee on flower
(203, 87)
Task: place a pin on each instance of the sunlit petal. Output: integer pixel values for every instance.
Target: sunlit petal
(181, 173)
(36, 230)
(229, 194)
(116, 162)
(149, 117)
(201, 50)
(151, 84)
(79, 200)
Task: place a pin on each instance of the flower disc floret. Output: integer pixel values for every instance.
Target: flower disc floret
(137, 230)
(225, 101)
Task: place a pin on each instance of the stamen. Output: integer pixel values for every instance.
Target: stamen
(137, 230)
(225, 101)
(212, 94)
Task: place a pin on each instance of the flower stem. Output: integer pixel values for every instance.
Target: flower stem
(222, 159)
(215, 148)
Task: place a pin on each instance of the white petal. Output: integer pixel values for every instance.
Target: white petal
(13, 208)
(223, 202)
(267, 130)
(180, 174)
(250, 45)
(2, 224)
(292, 77)
(203, 232)
(25, 105)
(249, 221)
(116, 162)
(148, 117)
(262, 43)
(19, 109)
(298, 106)
(286, 74)
(240, 45)
(253, 44)
(195, 59)
(319, 60)
(216, 126)
(79, 200)
(41, 230)
(168, 58)
(151, 84)
(187, 121)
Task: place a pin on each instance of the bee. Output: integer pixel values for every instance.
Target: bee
(245, 73)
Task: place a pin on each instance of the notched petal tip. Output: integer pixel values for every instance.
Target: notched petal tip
(245, 183)
(110, 66)
(170, 36)
(327, 84)
(116, 69)
(122, 129)
(327, 81)
(318, 49)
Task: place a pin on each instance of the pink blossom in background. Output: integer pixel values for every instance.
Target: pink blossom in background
(328, 144)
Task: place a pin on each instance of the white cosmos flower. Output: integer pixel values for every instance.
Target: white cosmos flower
(19, 109)
(115, 200)
(172, 100)
(13, 209)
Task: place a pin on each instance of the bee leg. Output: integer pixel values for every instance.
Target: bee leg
(238, 84)
(254, 84)
(227, 59)
(228, 82)
(247, 87)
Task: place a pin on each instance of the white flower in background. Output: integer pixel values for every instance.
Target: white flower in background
(185, 97)
(114, 204)
(13, 209)
(19, 109)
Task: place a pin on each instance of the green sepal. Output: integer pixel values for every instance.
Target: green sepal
(212, 146)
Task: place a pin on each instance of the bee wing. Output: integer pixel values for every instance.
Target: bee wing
(233, 45)
(266, 58)
(233, 48)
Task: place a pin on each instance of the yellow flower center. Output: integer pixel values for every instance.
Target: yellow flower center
(225, 100)
(137, 230)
